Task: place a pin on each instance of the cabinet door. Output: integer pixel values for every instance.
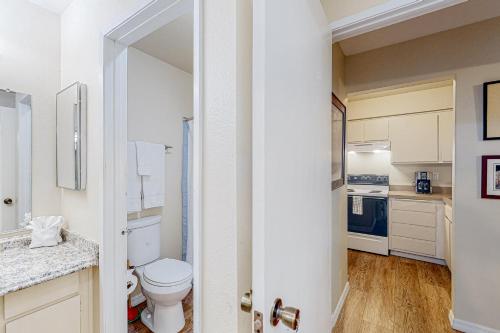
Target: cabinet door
(376, 129)
(446, 137)
(414, 138)
(355, 131)
(63, 317)
(447, 246)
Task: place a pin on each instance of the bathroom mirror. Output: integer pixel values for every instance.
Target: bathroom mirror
(15, 160)
(71, 115)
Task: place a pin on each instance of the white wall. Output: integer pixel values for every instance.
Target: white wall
(159, 96)
(29, 63)
(471, 55)
(338, 9)
(380, 163)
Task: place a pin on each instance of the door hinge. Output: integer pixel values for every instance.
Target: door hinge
(258, 322)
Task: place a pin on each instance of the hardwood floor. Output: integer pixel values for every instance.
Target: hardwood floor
(187, 304)
(394, 294)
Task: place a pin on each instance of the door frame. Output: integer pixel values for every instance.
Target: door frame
(134, 26)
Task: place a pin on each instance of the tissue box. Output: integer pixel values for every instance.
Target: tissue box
(46, 231)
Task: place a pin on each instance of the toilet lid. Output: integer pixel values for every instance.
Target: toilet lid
(168, 272)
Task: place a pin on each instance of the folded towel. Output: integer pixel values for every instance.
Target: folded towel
(146, 157)
(46, 231)
(153, 185)
(357, 205)
(134, 185)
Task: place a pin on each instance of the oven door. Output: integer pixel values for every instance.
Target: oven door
(373, 221)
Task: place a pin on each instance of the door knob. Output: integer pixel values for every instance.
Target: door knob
(246, 302)
(7, 201)
(290, 317)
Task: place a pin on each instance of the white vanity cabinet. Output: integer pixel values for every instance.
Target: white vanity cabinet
(416, 227)
(61, 305)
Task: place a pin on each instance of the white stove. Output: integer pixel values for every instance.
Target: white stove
(368, 212)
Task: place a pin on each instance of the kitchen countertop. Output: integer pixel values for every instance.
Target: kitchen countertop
(22, 267)
(418, 196)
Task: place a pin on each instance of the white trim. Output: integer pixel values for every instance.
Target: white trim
(385, 14)
(135, 26)
(418, 257)
(467, 326)
(340, 305)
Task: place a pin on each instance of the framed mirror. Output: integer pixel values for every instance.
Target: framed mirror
(15, 160)
(491, 117)
(338, 142)
(71, 123)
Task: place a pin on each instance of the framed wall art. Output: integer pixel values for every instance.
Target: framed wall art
(491, 111)
(338, 142)
(490, 178)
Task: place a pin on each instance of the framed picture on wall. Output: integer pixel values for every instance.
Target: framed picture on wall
(338, 142)
(491, 112)
(490, 179)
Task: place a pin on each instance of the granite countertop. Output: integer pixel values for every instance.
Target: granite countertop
(22, 267)
(418, 196)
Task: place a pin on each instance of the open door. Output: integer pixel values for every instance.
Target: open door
(291, 166)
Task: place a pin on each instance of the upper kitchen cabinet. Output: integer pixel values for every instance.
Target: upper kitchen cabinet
(368, 130)
(414, 138)
(446, 137)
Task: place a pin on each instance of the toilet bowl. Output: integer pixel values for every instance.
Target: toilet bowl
(164, 282)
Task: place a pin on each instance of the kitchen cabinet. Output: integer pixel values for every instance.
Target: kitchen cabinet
(448, 254)
(414, 138)
(416, 228)
(355, 131)
(446, 137)
(368, 130)
(61, 305)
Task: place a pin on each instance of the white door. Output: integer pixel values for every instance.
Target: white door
(291, 167)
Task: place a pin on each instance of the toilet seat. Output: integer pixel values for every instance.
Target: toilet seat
(168, 273)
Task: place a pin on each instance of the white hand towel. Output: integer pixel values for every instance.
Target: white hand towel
(134, 185)
(153, 186)
(357, 205)
(145, 157)
(46, 231)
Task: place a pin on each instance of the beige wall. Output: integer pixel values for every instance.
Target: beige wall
(29, 63)
(470, 55)
(338, 9)
(159, 96)
(339, 198)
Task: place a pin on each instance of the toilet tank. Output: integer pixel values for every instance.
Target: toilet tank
(143, 242)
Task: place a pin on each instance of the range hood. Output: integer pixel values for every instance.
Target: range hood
(369, 147)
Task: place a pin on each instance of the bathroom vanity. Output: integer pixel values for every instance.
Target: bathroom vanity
(52, 289)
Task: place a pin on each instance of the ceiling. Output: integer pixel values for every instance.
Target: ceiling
(172, 43)
(56, 6)
(456, 16)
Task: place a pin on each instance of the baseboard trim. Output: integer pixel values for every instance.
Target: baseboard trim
(340, 305)
(137, 299)
(418, 257)
(467, 326)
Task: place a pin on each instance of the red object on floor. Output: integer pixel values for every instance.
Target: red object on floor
(133, 314)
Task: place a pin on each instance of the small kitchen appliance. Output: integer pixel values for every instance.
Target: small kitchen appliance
(367, 213)
(423, 182)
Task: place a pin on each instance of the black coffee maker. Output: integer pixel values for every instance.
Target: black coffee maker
(423, 182)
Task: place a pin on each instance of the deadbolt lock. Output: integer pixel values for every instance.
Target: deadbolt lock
(246, 302)
(290, 317)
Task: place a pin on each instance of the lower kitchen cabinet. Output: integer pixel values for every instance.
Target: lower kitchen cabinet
(417, 228)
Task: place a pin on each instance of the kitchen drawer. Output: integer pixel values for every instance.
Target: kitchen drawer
(415, 218)
(417, 246)
(29, 299)
(414, 206)
(414, 231)
(448, 212)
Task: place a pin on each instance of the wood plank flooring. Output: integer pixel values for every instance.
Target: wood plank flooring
(187, 304)
(395, 295)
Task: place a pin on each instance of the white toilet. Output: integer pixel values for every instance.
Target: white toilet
(164, 282)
